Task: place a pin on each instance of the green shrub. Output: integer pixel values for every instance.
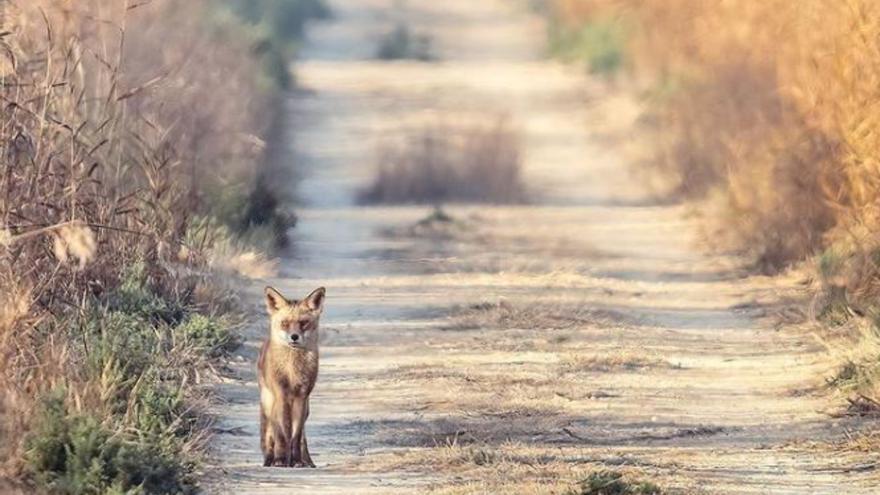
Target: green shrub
(161, 410)
(78, 454)
(279, 26)
(212, 335)
(265, 209)
(400, 43)
(286, 18)
(614, 483)
(118, 340)
(598, 44)
(135, 297)
(133, 438)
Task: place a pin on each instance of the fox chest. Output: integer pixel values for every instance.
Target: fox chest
(293, 373)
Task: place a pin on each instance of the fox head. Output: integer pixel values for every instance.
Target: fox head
(294, 323)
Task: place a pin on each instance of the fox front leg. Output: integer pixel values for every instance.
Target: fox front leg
(298, 419)
(267, 441)
(306, 458)
(281, 435)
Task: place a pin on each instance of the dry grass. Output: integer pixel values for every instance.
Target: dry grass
(113, 156)
(622, 360)
(537, 315)
(513, 467)
(441, 163)
(769, 110)
(770, 102)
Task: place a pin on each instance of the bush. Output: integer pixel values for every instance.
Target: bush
(265, 209)
(614, 483)
(438, 164)
(764, 105)
(769, 108)
(400, 44)
(598, 44)
(134, 297)
(138, 422)
(213, 336)
(275, 27)
(77, 454)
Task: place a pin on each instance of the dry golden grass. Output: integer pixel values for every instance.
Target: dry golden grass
(503, 314)
(770, 111)
(772, 102)
(451, 163)
(621, 360)
(507, 468)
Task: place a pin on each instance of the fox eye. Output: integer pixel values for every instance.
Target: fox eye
(304, 324)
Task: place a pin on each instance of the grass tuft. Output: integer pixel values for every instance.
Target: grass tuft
(614, 483)
(598, 44)
(69, 453)
(401, 44)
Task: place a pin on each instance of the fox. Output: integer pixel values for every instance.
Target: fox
(287, 370)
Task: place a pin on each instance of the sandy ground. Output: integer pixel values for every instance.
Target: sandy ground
(587, 330)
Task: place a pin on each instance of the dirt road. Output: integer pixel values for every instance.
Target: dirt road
(518, 348)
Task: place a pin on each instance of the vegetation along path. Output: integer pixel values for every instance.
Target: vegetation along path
(518, 348)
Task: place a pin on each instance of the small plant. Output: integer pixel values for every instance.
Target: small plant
(276, 27)
(437, 216)
(400, 43)
(614, 483)
(265, 209)
(70, 453)
(135, 297)
(847, 376)
(599, 44)
(214, 336)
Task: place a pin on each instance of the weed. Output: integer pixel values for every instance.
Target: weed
(531, 315)
(400, 43)
(614, 483)
(265, 209)
(599, 44)
(276, 26)
(211, 335)
(69, 453)
(135, 297)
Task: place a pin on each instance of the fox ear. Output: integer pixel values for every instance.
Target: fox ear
(274, 300)
(315, 301)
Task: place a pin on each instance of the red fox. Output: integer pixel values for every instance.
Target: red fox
(287, 371)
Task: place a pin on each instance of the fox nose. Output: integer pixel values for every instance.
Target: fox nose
(294, 337)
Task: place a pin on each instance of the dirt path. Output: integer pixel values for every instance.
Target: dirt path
(525, 345)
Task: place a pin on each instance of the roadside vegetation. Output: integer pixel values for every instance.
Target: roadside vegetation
(274, 29)
(767, 110)
(402, 44)
(614, 483)
(132, 143)
(597, 44)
